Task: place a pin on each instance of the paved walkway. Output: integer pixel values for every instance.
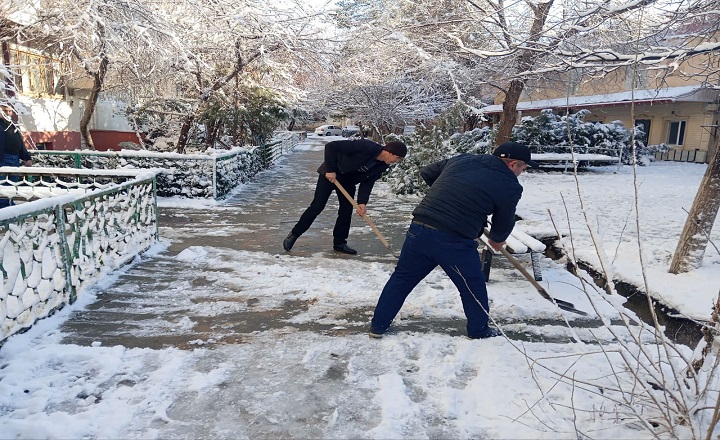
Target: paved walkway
(148, 304)
(142, 308)
(222, 334)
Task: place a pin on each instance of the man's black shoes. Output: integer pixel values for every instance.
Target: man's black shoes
(289, 241)
(375, 334)
(345, 249)
(487, 332)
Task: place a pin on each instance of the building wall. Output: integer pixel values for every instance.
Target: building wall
(701, 118)
(54, 124)
(47, 114)
(661, 115)
(53, 140)
(109, 140)
(108, 115)
(579, 83)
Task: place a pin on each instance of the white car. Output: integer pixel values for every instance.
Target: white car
(350, 130)
(328, 130)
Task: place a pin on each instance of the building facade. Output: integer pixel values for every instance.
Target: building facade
(49, 107)
(675, 102)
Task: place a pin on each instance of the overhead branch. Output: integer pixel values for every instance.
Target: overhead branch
(611, 56)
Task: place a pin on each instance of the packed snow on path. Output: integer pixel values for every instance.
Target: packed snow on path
(301, 384)
(292, 383)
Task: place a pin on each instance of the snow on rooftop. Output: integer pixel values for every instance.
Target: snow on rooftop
(684, 93)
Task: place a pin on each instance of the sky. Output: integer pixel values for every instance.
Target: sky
(422, 380)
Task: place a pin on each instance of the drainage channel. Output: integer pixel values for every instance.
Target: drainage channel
(677, 328)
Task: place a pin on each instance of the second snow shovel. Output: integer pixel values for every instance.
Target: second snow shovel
(366, 218)
(563, 305)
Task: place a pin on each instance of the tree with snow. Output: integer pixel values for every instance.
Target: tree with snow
(108, 45)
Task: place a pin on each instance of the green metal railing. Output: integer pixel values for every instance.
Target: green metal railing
(67, 229)
(190, 175)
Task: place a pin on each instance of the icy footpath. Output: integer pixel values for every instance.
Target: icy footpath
(219, 333)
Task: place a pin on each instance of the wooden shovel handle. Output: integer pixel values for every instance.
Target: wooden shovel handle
(364, 216)
(522, 270)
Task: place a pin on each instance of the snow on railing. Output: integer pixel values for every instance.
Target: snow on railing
(210, 175)
(67, 229)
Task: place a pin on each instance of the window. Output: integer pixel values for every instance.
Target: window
(676, 132)
(644, 125)
(34, 73)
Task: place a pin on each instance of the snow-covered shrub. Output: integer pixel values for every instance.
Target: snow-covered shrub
(159, 122)
(539, 131)
(425, 146)
(428, 145)
(546, 133)
(551, 133)
(130, 146)
(646, 153)
(452, 119)
(477, 141)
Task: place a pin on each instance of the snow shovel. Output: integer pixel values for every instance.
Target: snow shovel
(366, 218)
(563, 305)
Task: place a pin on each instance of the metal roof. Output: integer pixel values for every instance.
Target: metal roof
(652, 96)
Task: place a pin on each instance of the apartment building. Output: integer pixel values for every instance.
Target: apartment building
(49, 105)
(676, 103)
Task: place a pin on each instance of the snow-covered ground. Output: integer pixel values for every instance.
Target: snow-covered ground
(666, 191)
(289, 381)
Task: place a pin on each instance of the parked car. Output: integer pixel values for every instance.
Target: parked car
(328, 130)
(350, 130)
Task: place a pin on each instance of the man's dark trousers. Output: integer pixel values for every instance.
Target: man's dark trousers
(9, 160)
(323, 190)
(424, 249)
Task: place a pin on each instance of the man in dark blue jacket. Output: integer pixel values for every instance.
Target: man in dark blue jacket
(464, 191)
(350, 162)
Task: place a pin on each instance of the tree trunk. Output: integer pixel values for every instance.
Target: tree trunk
(509, 113)
(293, 119)
(525, 61)
(470, 121)
(212, 129)
(98, 80)
(695, 235)
(205, 97)
(184, 131)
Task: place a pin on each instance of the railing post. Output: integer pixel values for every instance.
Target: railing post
(65, 251)
(214, 176)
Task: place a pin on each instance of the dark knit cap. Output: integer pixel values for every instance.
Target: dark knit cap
(396, 147)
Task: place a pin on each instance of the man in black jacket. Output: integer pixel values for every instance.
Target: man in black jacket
(464, 191)
(350, 162)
